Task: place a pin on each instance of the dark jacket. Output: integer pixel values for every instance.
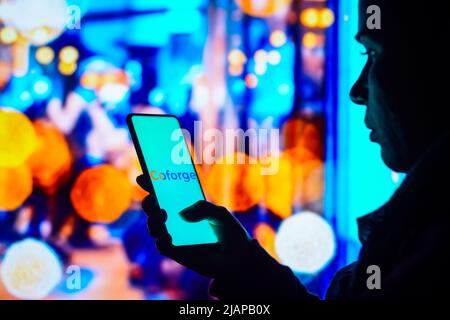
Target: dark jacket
(407, 238)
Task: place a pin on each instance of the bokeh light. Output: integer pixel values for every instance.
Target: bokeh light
(40, 36)
(326, 18)
(69, 55)
(45, 55)
(279, 187)
(14, 152)
(235, 69)
(305, 242)
(260, 56)
(101, 194)
(277, 38)
(237, 186)
(129, 163)
(42, 87)
(308, 181)
(251, 81)
(310, 40)
(260, 68)
(16, 185)
(38, 21)
(284, 89)
(91, 80)
(51, 161)
(30, 269)
(266, 235)
(113, 92)
(236, 57)
(298, 133)
(310, 17)
(67, 69)
(264, 9)
(6, 70)
(274, 57)
(156, 97)
(8, 35)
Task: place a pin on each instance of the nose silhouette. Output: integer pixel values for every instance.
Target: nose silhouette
(360, 91)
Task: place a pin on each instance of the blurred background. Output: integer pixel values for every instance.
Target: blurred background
(71, 226)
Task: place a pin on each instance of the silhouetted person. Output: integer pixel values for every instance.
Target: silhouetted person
(404, 86)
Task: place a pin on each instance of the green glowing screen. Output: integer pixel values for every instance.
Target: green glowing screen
(165, 157)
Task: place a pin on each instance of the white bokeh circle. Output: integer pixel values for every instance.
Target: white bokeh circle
(30, 269)
(305, 242)
(30, 16)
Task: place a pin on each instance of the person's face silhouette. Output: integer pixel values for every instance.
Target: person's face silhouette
(395, 87)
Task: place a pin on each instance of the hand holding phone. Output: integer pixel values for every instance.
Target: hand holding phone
(226, 256)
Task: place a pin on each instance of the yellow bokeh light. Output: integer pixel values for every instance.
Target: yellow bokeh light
(69, 55)
(234, 184)
(310, 40)
(67, 69)
(235, 69)
(101, 194)
(310, 18)
(129, 164)
(91, 80)
(326, 18)
(45, 55)
(8, 35)
(17, 138)
(236, 57)
(277, 38)
(16, 185)
(279, 187)
(264, 9)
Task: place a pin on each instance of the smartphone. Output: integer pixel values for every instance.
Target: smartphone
(166, 161)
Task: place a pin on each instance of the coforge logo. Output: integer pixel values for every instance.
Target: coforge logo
(168, 175)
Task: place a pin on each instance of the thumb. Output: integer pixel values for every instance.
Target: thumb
(227, 228)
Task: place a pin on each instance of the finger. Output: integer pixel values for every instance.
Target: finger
(227, 228)
(150, 205)
(204, 210)
(165, 246)
(143, 182)
(156, 225)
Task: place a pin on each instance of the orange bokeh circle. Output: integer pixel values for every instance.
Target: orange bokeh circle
(101, 194)
(309, 183)
(299, 133)
(235, 182)
(279, 187)
(16, 185)
(51, 162)
(263, 9)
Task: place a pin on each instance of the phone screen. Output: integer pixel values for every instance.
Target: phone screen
(165, 158)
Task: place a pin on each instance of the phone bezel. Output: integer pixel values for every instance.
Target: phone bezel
(144, 167)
